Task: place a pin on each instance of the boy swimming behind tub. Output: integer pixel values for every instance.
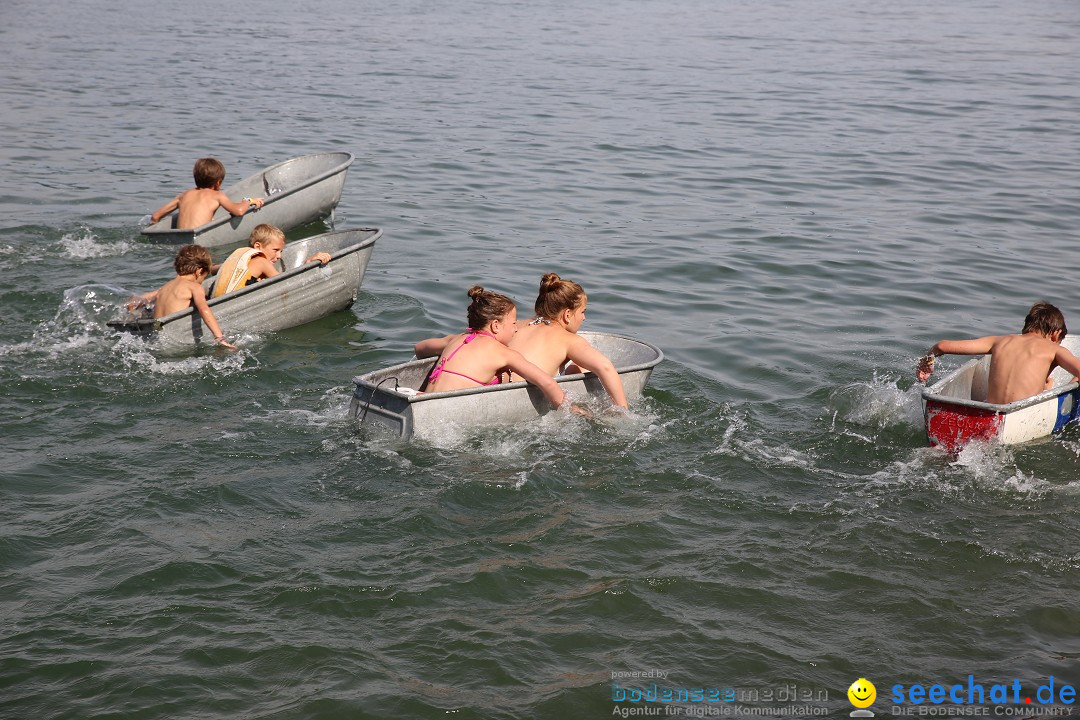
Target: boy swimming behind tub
(192, 265)
(479, 356)
(256, 262)
(1020, 365)
(197, 206)
(550, 339)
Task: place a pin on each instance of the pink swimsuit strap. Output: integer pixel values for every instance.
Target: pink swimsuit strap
(440, 368)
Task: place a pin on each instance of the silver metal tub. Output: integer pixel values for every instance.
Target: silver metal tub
(378, 395)
(303, 292)
(297, 191)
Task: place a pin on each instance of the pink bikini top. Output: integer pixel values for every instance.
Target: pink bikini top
(440, 368)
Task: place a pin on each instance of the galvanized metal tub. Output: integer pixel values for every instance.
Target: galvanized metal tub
(303, 292)
(955, 411)
(297, 191)
(390, 396)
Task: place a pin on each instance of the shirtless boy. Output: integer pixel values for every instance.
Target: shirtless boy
(1020, 365)
(185, 290)
(197, 206)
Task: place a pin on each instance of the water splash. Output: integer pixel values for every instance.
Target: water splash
(743, 441)
(84, 244)
(79, 329)
(137, 355)
(79, 322)
(879, 403)
(88, 307)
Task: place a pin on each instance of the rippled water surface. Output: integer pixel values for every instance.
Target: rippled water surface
(792, 199)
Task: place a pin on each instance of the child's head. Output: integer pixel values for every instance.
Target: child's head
(209, 173)
(561, 300)
(1046, 320)
(192, 260)
(495, 309)
(269, 239)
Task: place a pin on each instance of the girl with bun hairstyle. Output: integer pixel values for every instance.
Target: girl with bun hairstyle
(550, 339)
(480, 356)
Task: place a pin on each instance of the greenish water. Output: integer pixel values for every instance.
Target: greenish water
(793, 200)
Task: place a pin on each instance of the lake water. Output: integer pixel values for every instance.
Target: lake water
(792, 199)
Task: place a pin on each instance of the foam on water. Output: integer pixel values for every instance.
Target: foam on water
(772, 455)
(330, 410)
(84, 243)
(639, 425)
(87, 307)
(742, 440)
(138, 355)
(79, 328)
(988, 468)
(78, 323)
(878, 403)
(300, 417)
(506, 442)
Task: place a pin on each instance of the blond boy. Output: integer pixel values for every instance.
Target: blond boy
(197, 206)
(1020, 365)
(256, 262)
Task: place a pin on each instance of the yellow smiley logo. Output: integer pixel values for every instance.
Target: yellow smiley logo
(862, 693)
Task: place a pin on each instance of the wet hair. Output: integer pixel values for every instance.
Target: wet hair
(191, 258)
(557, 295)
(265, 234)
(208, 172)
(1044, 319)
(487, 306)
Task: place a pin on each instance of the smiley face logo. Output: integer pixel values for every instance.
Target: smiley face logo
(862, 693)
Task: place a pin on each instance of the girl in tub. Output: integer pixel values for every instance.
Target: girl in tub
(550, 339)
(480, 356)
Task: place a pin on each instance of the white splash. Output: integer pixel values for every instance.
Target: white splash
(84, 244)
(138, 355)
(878, 403)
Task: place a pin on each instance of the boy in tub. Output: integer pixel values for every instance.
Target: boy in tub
(198, 205)
(255, 262)
(1020, 365)
(192, 265)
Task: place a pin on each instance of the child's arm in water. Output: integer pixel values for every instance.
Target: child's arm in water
(586, 357)
(141, 301)
(198, 299)
(978, 346)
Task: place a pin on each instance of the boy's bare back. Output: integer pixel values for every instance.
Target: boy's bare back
(176, 295)
(197, 206)
(1020, 366)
